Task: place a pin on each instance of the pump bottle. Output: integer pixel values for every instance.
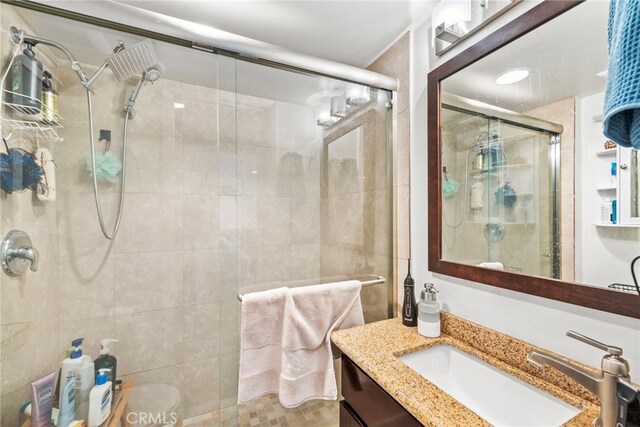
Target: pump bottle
(429, 312)
(100, 400)
(107, 361)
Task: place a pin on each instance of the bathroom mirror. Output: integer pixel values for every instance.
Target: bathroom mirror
(529, 194)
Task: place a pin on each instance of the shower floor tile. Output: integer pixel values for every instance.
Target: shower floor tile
(267, 412)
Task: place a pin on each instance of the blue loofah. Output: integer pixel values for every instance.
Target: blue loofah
(108, 166)
(18, 171)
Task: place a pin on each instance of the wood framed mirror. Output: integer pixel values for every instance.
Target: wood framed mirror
(524, 191)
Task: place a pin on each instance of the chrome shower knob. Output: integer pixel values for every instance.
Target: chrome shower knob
(18, 254)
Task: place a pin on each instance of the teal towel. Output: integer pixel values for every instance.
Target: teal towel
(622, 97)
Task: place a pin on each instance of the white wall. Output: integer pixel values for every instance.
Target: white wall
(604, 252)
(537, 320)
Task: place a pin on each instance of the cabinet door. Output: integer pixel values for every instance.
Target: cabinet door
(629, 194)
(372, 404)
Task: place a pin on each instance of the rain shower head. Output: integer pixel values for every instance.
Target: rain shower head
(133, 60)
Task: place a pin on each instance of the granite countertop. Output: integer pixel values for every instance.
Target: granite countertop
(374, 348)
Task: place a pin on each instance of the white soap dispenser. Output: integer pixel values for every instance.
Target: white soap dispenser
(100, 400)
(429, 312)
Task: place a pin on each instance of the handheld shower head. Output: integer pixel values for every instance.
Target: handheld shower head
(149, 75)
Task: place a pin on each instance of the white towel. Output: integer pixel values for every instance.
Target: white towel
(285, 341)
(492, 265)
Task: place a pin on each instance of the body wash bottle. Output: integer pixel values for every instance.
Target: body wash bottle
(68, 402)
(100, 400)
(429, 312)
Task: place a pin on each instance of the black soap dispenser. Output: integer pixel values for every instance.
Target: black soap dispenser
(409, 313)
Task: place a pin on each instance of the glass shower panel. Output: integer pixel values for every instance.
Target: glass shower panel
(499, 206)
(226, 193)
(312, 202)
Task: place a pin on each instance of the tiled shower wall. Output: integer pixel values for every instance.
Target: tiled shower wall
(222, 197)
(396, 62)
(28, 304)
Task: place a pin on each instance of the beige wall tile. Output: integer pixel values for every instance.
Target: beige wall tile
(154, 164)
(201, 275)
(150, 340)
(229, 326)
(200, 222)
(201, 386)
(201, 331)
(402, 215)
(152, 222)
(200, 166)
(401, 163)
(78, 227)
(395, 62)
(229, 380)
(148, 281)
(264, 221)
(86, 287)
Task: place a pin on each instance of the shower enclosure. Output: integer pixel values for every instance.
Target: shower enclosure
(501, 181)
(238, 179)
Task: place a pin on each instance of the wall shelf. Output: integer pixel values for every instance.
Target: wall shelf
(604, 153)
(617, 225)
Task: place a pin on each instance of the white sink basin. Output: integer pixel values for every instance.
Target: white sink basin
(499, 398)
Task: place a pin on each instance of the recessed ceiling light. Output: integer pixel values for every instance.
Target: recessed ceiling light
(512, 76)
(178, 105)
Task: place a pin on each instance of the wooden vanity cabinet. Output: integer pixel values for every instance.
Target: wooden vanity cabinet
(366, 404)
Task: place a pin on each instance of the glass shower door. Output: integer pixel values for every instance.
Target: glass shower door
(500, 192)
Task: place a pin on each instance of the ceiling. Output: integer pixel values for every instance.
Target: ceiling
(564, 57)
(352, 32)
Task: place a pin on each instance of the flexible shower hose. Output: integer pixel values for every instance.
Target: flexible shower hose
(116, 227)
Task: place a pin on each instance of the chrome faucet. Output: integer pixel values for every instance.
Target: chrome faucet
(604, 385)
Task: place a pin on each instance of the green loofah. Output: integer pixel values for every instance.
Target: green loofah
(108, 166)
(450, 188)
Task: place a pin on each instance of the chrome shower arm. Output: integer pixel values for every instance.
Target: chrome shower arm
(19, 35)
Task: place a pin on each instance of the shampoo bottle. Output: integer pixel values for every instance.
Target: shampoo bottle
(107, 361)
(26, 81)
(72, 362)
(409, 300)
(85, 380)
(100, 400)
(429, 312)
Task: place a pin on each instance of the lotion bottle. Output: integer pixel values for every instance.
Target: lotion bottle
(100, 400)
(429, 312)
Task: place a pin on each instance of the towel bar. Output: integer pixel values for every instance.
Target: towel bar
(373, 279)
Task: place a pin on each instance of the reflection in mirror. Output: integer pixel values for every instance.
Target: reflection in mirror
(499, 189)
(529, 183)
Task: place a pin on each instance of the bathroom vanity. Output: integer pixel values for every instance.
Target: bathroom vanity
(366, 403)
(381, 387)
